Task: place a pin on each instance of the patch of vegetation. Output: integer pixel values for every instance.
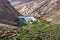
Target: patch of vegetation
(39, 30)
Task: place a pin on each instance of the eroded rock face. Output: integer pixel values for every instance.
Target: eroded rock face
(7, 11)
(8, 31)
(36, 6)
(47, 9)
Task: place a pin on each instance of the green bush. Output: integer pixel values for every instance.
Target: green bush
(39, 30)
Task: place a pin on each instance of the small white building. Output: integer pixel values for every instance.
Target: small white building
(27, 18)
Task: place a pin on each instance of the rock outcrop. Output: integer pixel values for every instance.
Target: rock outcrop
(8, 31)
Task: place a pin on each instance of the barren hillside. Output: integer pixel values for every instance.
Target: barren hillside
(47, 9)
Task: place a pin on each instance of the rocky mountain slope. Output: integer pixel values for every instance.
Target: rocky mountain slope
(8, 15)
(7, 11)
(47, 9)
